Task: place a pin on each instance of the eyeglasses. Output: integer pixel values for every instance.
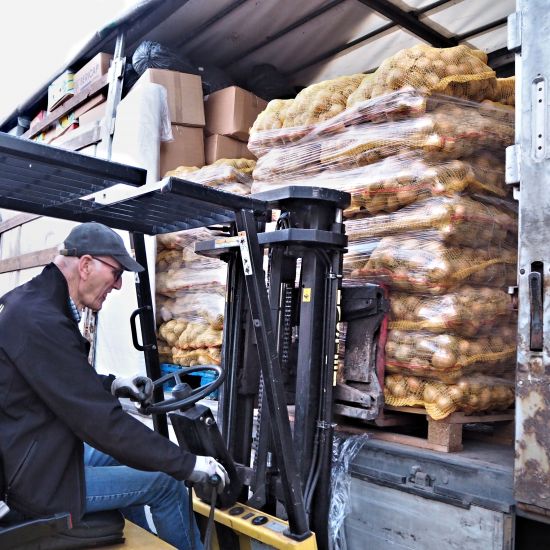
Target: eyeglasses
(117, 272)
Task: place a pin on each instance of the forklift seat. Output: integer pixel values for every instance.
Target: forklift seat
(56, 532)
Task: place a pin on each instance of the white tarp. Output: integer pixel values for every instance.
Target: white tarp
(143, 121)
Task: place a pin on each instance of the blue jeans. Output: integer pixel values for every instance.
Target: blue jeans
(111, 486)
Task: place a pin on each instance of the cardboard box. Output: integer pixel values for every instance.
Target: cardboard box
(61, 89)
(232, 112)
(187, 149)
(184, 95)
(90, 104)
(222, 147)
(96, 113)
(92, 71)
(77, 138)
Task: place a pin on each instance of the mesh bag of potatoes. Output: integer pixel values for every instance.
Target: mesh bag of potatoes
(191, 333)
(401, 180)
(446, 357)
(285, 121)
(459, 71)
(448, 132)
(505, 91)
(230, 175)
(196, 305)
(321, 101)
(265, 132)
(470, 394)
(179, 268)
(456, 220)
(425, 265)
(468, 311)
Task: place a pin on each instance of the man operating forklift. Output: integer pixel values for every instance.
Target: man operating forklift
(52, 401)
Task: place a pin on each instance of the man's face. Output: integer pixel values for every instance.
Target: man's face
(104, 275)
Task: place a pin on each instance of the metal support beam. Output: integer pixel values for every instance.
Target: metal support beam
(528, 29)
(116, 76)
(410, 22)
(380, 30)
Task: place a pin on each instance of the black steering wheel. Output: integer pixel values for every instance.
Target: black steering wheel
(183, 395)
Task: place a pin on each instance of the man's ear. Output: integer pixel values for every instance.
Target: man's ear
(84, 266)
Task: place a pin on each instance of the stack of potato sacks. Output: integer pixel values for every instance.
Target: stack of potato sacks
(419, 144)
(190, 288)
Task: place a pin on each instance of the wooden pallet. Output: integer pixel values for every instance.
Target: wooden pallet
(443, 435)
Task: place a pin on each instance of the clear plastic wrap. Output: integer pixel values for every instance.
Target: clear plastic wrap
(449, 132)
(446, 357)
(422, 263)
(230, 175)
(469, 394)
(179, 268)
(459, 71)
(190, 295)
(190, 335)
(268, 131)
(456, 220)
(468, 311)
(193, 305)
(344, 451)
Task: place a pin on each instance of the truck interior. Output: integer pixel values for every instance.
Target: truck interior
(278, 340)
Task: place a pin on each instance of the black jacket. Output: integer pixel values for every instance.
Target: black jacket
(51, 400)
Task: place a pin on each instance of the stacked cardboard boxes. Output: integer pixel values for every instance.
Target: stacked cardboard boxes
(230, 113)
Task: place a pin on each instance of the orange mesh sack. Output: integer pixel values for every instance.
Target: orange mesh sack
(470, 394)
(201, 356)
(425, 265)
(505, 91)
(230, 175)
(447, 357)
(468, 311)
(459, 71)
(456, 220)
(191, 340)
(321, 101)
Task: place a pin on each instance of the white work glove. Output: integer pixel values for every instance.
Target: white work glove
(205, 468)
(137, 388)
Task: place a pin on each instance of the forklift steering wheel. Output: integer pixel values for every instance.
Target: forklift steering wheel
(183, 395)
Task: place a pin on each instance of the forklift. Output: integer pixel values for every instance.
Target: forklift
(274, 426)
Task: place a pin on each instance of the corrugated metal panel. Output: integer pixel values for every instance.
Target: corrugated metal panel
(382, 518)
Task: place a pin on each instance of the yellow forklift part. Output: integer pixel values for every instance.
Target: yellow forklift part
(253, 525)
(137, 538)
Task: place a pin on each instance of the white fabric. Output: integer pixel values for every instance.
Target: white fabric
(142, 122)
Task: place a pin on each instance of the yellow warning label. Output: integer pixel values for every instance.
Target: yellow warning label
(306, 295)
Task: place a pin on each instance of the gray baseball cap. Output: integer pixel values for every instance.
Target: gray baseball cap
(97, 239)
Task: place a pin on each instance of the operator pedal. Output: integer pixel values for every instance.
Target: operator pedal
(197, 432)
